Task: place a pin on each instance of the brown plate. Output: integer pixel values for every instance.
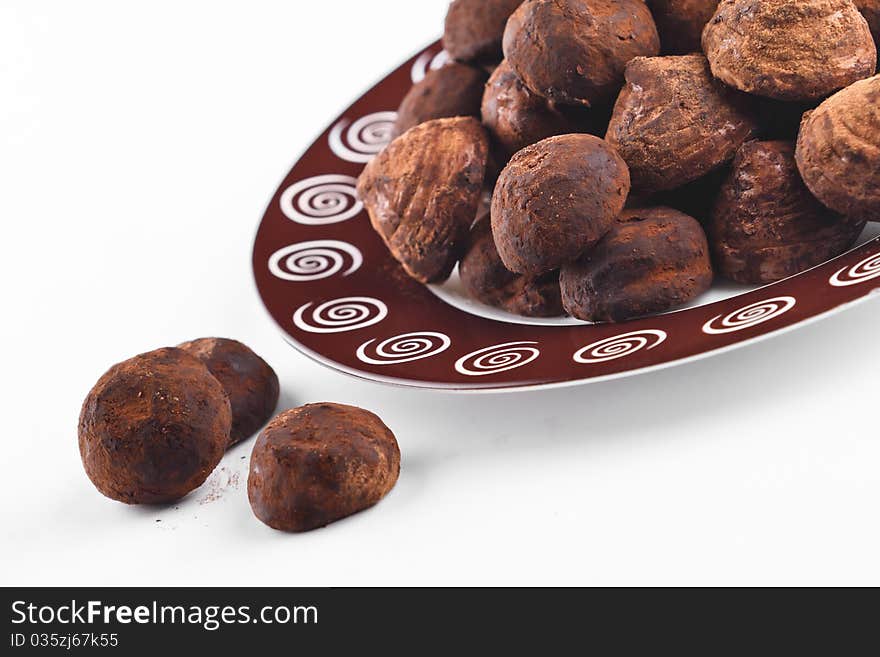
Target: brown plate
(329, 283)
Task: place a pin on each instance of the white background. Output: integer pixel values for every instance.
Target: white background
(139, 143)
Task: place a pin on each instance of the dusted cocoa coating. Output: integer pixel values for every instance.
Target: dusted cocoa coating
(422, 193)
(515, 117)
(766, 225)
(554, 200)
(653, 259)
(838, 150)
(474, 29)
(575, 51)
(789, 49)
(319, 463)
(252, 386)
(452, 90)
(153, 427)
(871, 11)
(486, 279)
(673, 123)
(681, 22)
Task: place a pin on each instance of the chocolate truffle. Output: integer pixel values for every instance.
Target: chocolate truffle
(838, 150)
(653, 259)
(452, 90)
(575, 51)
(789, 49)
(486, 279)
(154, 427)
(681, 22)
(422, 193)
(515, 117)
(673, 123)
(766, 225)
(319, 463)
(474, 29)
(252, 386)
(556, 199)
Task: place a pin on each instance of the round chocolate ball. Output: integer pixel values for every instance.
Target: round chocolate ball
(673, 123)
(653, 259)
(789, 49)
(838, 150)
(422, 193)
(515, 117)
(249, 381)
(575, 51)
(766, 225)
(486, 279)
(319, 463)
(681, 23)
(154, 427)
(452, 90)
(556, 199)
(474, 29)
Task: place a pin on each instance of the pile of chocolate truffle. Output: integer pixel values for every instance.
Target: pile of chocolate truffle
(155, 426)
(633, 151)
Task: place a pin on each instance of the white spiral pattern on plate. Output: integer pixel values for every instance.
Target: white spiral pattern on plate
(338, 315)
(751, 315)
(321, 200)
(363, 139)
(868, 269)
(311, 261)
(428, 61)
(620, 346)
(497, 358)
(403, 348)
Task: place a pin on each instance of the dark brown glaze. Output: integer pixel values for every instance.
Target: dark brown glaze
(653, 259)
(673, 123)
(154, 427)
(681, 22)
(474, 29)
(766, 225)
(515, 117)
(574, 51)
(838, 150)
(554, 200)
(871, 11)
(452, 90)
(794, 50)
(319, 463)
(486, 279)
(249, 381)
(422, 193)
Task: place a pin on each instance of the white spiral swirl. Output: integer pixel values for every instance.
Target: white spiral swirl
(403, 348)
(620, 346)
(321, 200)
(868, 269)
(311, 261)
(497, 358)
(364, 138)
(338, 315)
(751, 315)
(428, 61)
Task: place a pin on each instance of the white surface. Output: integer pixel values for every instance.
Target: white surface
(138, 146)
